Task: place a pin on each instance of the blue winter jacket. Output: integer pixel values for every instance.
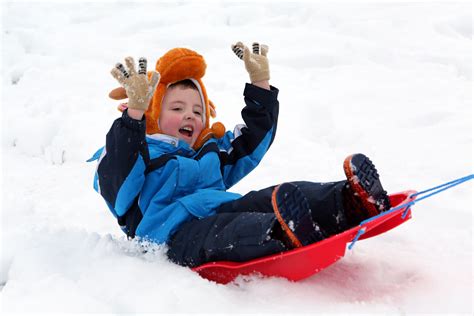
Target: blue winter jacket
(153, 184)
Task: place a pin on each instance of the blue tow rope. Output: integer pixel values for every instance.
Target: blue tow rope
(437, 189)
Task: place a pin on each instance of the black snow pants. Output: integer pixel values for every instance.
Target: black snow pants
(242, 229)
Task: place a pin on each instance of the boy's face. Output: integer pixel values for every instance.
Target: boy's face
(182, 114)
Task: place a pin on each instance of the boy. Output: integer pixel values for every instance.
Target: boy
(164, 171)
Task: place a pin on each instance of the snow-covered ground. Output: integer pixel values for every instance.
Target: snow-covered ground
(392, 80)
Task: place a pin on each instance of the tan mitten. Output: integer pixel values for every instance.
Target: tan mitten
(256, 62)
(138, 89)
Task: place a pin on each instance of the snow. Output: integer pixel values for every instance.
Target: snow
(389, 79)
(291, 226)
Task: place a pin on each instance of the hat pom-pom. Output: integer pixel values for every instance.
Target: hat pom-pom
(218, 129)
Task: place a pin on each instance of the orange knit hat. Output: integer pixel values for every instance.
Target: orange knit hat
(176, 65)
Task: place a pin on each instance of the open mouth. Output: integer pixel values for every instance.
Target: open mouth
(186, 131)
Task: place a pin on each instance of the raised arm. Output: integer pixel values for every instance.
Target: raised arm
(243, 149)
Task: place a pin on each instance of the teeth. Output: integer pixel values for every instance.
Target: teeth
(189, 129)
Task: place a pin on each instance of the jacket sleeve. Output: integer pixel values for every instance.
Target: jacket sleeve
(243, 149)
(122, 162)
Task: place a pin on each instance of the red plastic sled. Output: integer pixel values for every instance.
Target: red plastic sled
(303, 262)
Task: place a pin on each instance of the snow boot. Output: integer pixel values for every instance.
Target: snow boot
(364, 195)
(292, 211)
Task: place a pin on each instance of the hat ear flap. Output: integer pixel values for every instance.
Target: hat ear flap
(118, 94)
(217, 131)
(154, 110)
(212, 109)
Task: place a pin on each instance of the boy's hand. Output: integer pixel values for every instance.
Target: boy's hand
(256, 62)
(139, 89)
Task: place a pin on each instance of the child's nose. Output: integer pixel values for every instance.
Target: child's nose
(188, 116)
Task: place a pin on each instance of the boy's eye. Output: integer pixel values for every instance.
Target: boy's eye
(176, 109)
(197, 113)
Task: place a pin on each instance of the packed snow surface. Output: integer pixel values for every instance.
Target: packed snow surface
(388, 79)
